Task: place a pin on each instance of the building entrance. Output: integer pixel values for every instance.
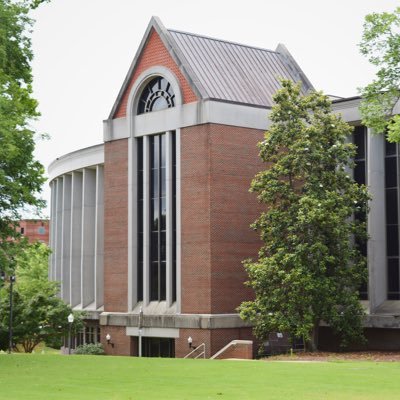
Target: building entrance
(158, 347)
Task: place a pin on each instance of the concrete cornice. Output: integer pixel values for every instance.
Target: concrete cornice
(207, 111)
(196, 113)
(217, 321)
(83, 158)
(196, 321)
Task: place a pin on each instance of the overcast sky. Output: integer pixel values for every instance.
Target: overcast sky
(83, 49)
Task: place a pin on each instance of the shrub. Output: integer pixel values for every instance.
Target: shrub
(54, 342)
(90, 348)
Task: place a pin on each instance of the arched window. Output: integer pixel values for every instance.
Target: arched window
(157, 95)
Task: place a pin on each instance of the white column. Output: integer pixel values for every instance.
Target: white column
(99, 240)
(52, 242)
(146, 220)
(88, 236)
(59, 230)
(132, 222)
(76, 238)
(169, 227)
(66, 239)
(178, 218)
(377, 289)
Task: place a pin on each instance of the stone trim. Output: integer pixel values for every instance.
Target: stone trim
(194, 321)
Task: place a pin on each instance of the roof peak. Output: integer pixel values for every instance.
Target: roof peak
(220, 69)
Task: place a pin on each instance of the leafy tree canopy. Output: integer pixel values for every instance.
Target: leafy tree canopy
(39, 315)
(308, 268)
(21, 176)
(381, 45)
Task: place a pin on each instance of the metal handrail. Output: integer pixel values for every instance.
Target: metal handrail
(203, 353)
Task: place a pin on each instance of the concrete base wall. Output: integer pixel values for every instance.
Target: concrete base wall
(377, 339)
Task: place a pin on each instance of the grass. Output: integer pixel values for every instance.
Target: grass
(47, 376)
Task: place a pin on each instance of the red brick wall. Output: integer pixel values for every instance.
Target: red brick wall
(199, 336)
(234, 163)
(30, 227)
(123, 345)
(217, 165)
(155, 53)
(116, 225)
(195, 220)
(221, 337)
(214, 339)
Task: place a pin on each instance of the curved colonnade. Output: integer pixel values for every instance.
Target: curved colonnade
(77, 231)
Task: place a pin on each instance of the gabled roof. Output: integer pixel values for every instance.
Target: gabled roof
(237, 73)
(224, 71)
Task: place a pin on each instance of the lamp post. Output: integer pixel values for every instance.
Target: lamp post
(10, 327)
(70, 321)
(140, 324)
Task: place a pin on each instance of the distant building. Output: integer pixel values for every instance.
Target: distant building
(35, 230)
(149, 229)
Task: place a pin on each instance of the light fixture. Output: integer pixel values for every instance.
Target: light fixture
(108, 338)
(70, 321)
(190, 342)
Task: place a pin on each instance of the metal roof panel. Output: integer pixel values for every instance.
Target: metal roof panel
(234, 72)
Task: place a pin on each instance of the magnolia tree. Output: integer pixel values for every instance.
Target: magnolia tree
(381, 45)
(309, 268)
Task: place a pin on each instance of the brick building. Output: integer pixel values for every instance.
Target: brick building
(149, 229)
(35, 230)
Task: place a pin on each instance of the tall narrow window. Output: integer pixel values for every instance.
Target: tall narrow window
(158, 213)
(360, 176)
(392, 219)
(156, 95)
(140, 211)
(156, 197)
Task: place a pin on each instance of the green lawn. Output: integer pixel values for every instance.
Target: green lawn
(45, 377)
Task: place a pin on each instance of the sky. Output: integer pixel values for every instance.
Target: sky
(83, 50)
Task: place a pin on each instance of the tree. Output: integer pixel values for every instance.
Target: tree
(21, 176)
(39, 315)
(309, 267)
(381, 44)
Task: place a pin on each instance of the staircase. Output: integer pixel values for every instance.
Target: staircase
(242, 349)
(197, 352)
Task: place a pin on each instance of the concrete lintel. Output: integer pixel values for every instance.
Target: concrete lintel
(349, 110)
(91, 315)
(382, 321)
(194, 321)
(153, 332)
(114, 129)
(203, 112)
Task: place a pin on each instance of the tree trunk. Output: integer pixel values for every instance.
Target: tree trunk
(312, 344)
